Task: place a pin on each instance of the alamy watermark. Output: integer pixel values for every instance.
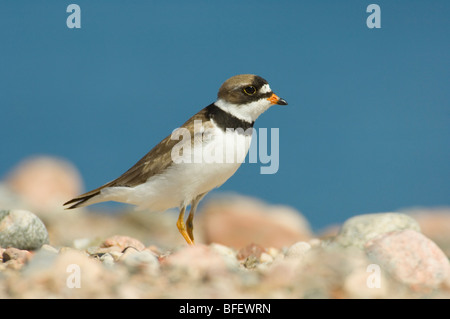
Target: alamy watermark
(73, 21)
(74, 18)
(203, 145)
(74, 279)
(374, 19)
(374, 279)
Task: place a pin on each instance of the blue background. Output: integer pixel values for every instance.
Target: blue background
(366, 128)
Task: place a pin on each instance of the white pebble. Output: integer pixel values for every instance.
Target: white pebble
(107, 260)
(81, 243)
(298, 249)
(265, 258)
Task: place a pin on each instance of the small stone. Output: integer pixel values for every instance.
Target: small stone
(116, 255)
(195, 263)
(298, 250)
(81, 243)
(22, 229)
(252, 250)
(357, 230)
(282, 273)
(42, 261)
(22, 256)
(49, 248)
(144, 260)
(251, 262)
(123, 242)
(14, 258)
(107, 260)
(410, 257)
(228, 254)
(274, 252)
(222, 249)
(265, 258)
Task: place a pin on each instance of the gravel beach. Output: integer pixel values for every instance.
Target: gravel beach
(245, 249)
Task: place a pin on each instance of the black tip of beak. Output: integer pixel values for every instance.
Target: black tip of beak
(282, 102)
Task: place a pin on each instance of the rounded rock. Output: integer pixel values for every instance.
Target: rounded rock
(358, 230)
(22, 229)
(235, 221)
(136, 260)
(45, 182)
(410, 257)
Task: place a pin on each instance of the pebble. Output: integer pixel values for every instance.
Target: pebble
(251, 250)
(49, 249)
(195, 262)
(22, 229)
(11, 253)
(107, 260)
(144, 260)
(298, 250)
(266, 258)
(42, 260)
(357, 230)
(236, 221)
(82, 243)
(227, 253)
(123, 242)
(115, 254)
(411, 264)
(410, 257)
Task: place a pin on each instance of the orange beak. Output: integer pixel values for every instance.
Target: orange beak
(275, 99)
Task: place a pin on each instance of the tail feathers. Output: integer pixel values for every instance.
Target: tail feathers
(81, 200)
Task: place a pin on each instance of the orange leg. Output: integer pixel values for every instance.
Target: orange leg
(190, 222)
(182, 227)
(190, 219)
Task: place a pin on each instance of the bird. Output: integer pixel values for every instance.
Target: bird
(195, 158)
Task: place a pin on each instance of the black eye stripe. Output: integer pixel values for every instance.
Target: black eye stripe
(255, 96)
(267, 95)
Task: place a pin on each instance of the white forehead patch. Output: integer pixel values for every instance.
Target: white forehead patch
(265, 89)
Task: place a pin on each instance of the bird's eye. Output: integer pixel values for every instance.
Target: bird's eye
(249, 90)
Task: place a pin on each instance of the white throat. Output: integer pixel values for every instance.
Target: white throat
(248, 112)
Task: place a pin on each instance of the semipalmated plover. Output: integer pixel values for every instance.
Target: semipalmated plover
(195, 158)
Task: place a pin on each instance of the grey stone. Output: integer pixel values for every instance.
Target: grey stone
(42, 260)
(22, 229)
(136, 260)
(357, 230)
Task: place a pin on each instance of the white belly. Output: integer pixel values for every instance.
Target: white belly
(214, 162)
